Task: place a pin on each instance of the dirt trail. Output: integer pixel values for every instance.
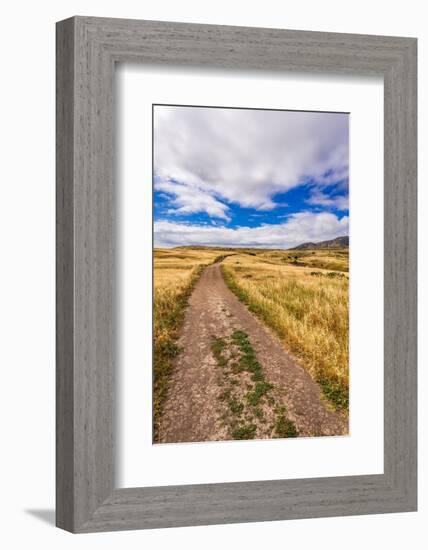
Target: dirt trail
(208, 396)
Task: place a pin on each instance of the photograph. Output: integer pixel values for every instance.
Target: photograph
(210, 283)
(210, 307)
(250, 274)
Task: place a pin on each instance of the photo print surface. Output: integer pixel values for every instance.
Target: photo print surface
(250, 274)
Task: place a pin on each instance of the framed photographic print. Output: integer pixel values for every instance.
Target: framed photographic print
(236, 274)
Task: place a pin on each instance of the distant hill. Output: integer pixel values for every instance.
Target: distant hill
(339, 242)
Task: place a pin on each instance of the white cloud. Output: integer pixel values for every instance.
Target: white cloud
(188, 200)
(244, 156)
(319, 198)
(298, 228)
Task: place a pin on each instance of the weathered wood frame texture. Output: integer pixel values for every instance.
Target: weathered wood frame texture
(87, 50)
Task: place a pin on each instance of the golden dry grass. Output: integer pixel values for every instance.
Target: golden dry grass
(174, 268)
(301, 295)
(306, 306)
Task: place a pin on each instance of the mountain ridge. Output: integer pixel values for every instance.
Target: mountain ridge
(338, 242)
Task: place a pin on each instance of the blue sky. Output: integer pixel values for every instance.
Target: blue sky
(238, 177)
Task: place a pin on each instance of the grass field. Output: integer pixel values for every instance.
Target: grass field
(301, 295)
(175, 273)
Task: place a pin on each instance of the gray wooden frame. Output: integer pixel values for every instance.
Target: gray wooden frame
(87, 50)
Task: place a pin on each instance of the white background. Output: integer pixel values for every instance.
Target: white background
(27, 272)
(362, 451)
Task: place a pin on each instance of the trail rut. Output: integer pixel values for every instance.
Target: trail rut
(202, 394)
